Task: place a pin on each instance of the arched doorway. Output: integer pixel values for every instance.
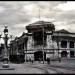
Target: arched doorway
(64, 54)
(71, 53)
(39, 55)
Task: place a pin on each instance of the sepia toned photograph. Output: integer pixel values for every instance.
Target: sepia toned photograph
(37, 37)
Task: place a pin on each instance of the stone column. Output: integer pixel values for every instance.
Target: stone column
(48, 54)
(68, 44)
(59, 44)
(68, 56)
(49, 46)
(68, 47)
(32, 56)
(30, 41)
(49, 42)
(60, 54)
(59, 48)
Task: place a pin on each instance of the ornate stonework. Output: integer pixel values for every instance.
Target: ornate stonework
(30, 43)
(49, 41)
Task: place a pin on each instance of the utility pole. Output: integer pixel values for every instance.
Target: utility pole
(43, 44)
(58, 43)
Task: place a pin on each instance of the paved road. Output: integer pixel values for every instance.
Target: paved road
(56, 69)
(38, 68)
(26, 69)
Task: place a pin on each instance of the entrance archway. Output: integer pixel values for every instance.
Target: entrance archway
(39, 55)
(71, 53)
(64, 54)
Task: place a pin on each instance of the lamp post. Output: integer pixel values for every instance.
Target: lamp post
(5, 58)
(5, 65)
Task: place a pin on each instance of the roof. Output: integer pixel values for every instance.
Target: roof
(40, 23)
(63, 31)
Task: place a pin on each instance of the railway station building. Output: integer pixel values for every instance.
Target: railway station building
(42, 37)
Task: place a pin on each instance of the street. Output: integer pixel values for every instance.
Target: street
(55, 67)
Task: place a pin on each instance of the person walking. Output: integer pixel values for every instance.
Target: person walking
(48, 60)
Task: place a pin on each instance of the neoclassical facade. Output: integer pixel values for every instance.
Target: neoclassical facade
(42, 37)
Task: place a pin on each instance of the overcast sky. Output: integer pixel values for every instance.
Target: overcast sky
(18, 14)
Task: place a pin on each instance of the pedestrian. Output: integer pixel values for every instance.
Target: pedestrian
(39, 60)
(48, 60)
(29, 59)
(32, 61)
(59, 59)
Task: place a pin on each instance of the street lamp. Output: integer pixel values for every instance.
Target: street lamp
(5, 58)
(5, 65)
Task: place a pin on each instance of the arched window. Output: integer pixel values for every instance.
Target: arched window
(64, 44)
(71, 44)
(64, 54)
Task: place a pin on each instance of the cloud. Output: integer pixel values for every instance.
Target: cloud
(19, 14)
(67, 6)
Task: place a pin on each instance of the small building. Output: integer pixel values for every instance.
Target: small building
(42, 38)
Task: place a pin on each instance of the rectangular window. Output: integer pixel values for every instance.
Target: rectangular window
(64, 44)
(71, 44)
